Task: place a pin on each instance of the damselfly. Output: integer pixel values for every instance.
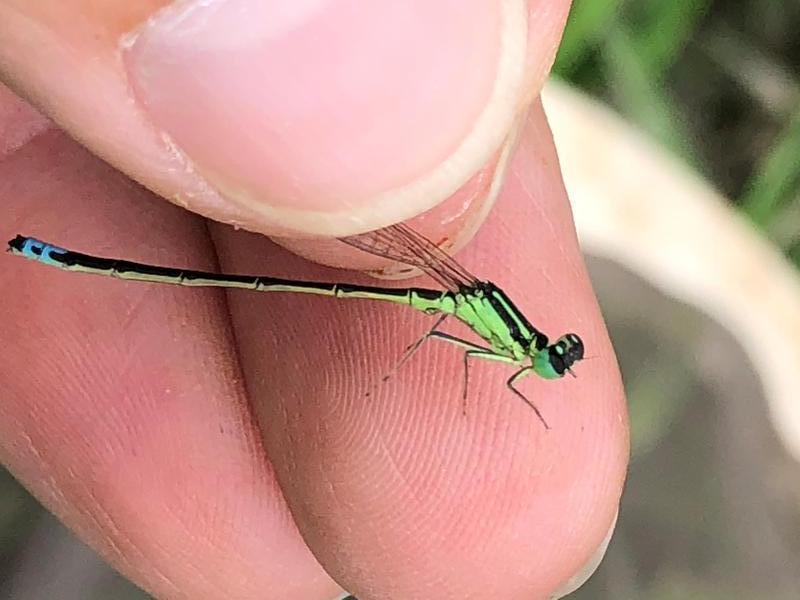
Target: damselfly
(482, 306)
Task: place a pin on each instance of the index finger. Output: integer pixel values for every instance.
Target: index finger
(399, 495)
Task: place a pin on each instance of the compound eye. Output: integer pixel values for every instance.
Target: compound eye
(579, 349)
(575, 346)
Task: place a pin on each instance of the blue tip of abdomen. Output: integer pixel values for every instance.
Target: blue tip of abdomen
(36, 250)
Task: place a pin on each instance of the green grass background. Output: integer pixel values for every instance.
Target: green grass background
(717, 82)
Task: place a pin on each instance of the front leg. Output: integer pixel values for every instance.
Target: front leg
(521, 374)
(475, 350)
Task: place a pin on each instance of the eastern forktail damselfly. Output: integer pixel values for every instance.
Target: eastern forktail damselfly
(482, 306)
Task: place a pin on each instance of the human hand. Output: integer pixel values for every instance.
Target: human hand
(188, 435)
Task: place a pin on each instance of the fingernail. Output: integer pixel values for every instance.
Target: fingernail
(588, 569)
(323, 106)
(451, 225)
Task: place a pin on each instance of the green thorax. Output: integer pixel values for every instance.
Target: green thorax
(491, 314)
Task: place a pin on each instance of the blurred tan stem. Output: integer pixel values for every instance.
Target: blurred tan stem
(639, 206)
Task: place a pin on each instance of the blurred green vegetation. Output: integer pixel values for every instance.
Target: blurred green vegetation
(717, 82)
(710, 507)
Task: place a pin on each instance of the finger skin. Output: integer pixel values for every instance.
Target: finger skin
(76, 61)
(122, 406)
(398, 494)
(125, 406)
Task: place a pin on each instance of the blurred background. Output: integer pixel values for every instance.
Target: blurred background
(712, 504)
(711, 509)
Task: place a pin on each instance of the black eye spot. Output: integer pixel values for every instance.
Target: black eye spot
(36, 249)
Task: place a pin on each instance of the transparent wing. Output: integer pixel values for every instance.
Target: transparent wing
(402, 244)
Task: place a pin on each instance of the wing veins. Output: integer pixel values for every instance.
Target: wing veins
(403, 244)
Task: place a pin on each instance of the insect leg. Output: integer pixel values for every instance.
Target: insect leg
(472, 350)
(522, 373)
(485, 354)
(410, 350)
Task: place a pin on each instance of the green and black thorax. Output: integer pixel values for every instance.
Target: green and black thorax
(492, 315)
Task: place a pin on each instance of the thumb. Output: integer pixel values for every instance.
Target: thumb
(321, 117)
